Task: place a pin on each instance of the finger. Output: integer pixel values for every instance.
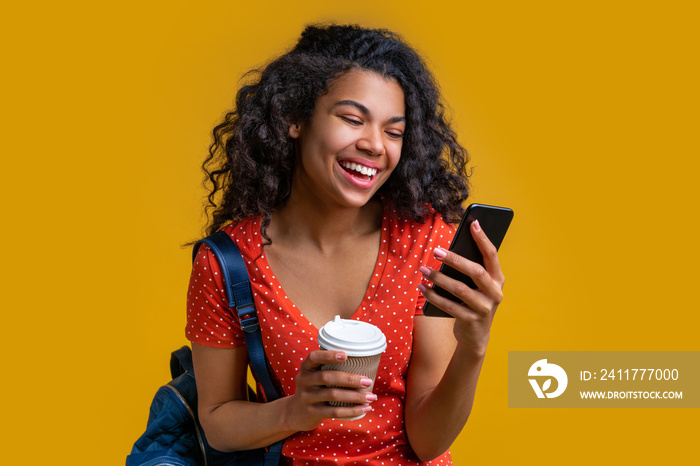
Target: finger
(476, 272)
(330, 377)
(343, 412)
(317, 358)
(468, 309)
(332, 394)
(489, 253)
(455, 287)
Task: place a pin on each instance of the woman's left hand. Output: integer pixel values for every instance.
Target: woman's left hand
(474, 315)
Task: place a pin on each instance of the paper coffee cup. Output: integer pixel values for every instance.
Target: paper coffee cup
(364, 344)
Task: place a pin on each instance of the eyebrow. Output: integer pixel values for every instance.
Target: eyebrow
(365, 110)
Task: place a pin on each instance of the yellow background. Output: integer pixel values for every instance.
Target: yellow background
(581, 116)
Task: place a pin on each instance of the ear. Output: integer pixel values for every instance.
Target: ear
(294, 130)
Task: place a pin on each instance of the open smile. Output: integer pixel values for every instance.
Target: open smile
(359, 171)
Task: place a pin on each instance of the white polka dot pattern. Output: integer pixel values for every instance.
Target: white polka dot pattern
(391, 302)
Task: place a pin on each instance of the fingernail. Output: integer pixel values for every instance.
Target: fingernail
(477, 227)
(367, 409)
(422, 288)
(340, 356)
(439, 253)
(425, 271)
(365, 382)
(371, 397)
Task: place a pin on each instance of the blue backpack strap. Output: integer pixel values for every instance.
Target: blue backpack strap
(240, 298)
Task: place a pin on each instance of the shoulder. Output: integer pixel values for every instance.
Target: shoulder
(245, 233)
(434, 229)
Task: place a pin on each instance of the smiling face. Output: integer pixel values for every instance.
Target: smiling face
(353, 141)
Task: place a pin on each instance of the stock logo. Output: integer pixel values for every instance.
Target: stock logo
(542, 369)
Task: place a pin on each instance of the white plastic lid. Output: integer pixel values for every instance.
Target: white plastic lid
(354, 337)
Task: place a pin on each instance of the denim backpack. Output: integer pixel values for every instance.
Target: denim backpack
(173, 435)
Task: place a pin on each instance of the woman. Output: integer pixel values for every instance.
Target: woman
(339, 178)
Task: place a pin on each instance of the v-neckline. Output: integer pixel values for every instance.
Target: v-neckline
(370, 292)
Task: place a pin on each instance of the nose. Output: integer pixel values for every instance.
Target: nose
(371, 141)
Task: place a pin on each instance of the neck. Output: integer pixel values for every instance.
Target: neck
(302, 221)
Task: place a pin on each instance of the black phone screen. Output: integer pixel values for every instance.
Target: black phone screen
(494, 222)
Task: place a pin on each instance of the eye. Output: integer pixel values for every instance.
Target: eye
(352, 121)
(394, 134)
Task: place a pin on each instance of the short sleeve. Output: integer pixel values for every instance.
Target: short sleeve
(210, 322)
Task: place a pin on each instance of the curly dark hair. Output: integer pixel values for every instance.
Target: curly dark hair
(251, 160)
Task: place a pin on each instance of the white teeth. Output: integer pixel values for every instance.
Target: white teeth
(359, 168)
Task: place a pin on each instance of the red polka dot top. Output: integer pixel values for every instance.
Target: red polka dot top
(390, 302)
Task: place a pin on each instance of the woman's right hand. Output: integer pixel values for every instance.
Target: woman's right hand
(308, 407)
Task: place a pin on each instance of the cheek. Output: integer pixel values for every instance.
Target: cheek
(394, 157)
(332, 140)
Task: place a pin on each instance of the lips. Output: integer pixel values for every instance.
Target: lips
(359, 171)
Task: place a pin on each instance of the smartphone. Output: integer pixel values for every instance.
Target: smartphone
(494, 222)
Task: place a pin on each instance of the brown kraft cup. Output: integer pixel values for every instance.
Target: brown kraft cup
(364, 344)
